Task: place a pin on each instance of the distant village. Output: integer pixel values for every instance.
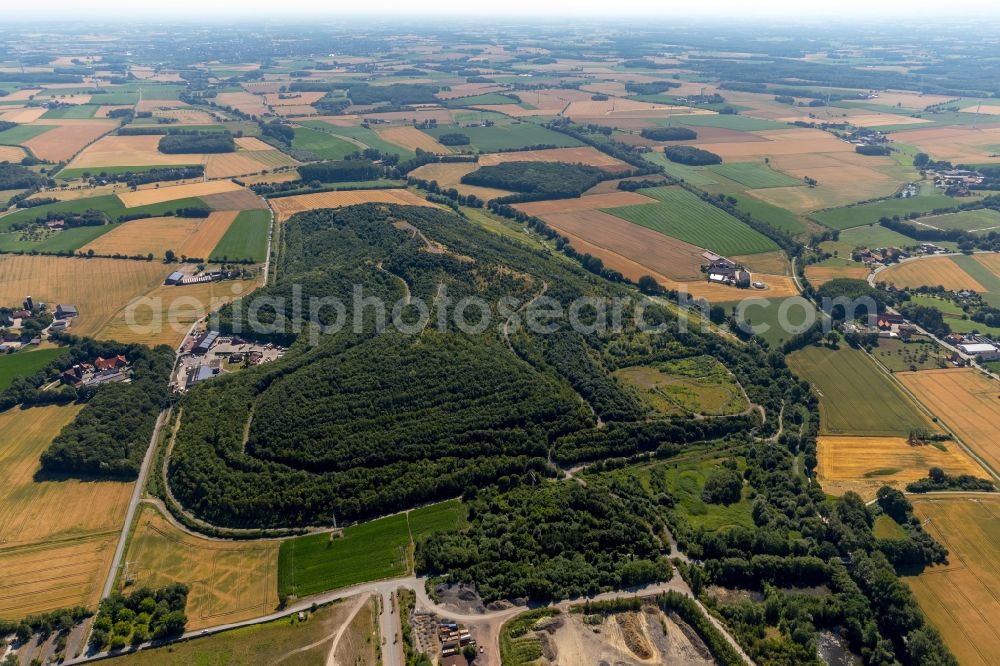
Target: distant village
(27, 324)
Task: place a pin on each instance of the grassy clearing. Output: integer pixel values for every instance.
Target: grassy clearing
(849, 217)
(686, 480)
(698, 385)
(18, 135)
(681, 214)
(917, 354)
(697, 176)
(369, 551)
(246, 238)
(450, 515)
(887, 528)
(984, 219)
(24, 363)
(510, 136)
(322, 144)
(856, 397)
(875, 235)
(755, 175)
(78, 111)
(764, 315)
(779, 218)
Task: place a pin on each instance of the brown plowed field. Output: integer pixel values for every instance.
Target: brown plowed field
(647, 248)
(966, 401)
(285, 207)
(932, 271)
(238, 200)
(865, 464)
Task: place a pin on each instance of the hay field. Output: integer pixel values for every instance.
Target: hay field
(865, 464)
(27, 115)
(990, 261)
(650, 249)
(226, 165)
(164, 314)
(285, 207)
(932, 271)
(187, 237)
(412, 138)
(585, 155)
(780, 142)
(962, 598)
(614, 199)
(126, 151)
(56, 537)
(449, 174)
(884, 120)
(819, 275)
(246, 102)
(161, 194)
(229, 580)
(67, 139)
(98, 287)
(855, 396)
(967, 401)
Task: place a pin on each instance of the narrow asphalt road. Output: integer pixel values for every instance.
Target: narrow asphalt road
(140, 484)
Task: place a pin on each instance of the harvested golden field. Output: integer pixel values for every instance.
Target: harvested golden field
(985, 109)
(226, 165)
(619, 106)
(56, 537)
(285, 207)
(283, 177)
(412, 138)
(48, 576)
(27, 115)
(229, 580)
(22, 95)
(932, 271)
(771, 263)
(292, 99)
(648, 249)
(962, 598)
(252, 143)
(67, 139)
(614, 199)
(884, 119)
(449, 174)
(990, 261)
(185, 116)
(98, 287)
(161, 194)
(187, 237)
(164, 314)
(584, 155)
(957, 144)
(11, 154)
(247, 103)
(271, 159)
(819, 275)
(909, 100)
(966, 401)
(128, 151)
(781, 142)
(864, 464)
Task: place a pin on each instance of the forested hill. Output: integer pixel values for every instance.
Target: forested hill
(364, 423)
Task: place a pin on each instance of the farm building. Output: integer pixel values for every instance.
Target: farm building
(65, 311)
(174, 278)
(987, 351)
(205, 343)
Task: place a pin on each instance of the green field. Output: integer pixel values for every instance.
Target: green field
(856, 397)
(984, 219)
(116, 98)
(856, 216)
(506, 136)
(77, 111)
(362, 134)
(765, 314)
(983, 276)
(779, 218)
(479, 100)
(876, 236)
(369, 551)
(697, 176)
(246, 238)
(754, 175)
(916, 354)
(323, 145)
(18, 135)
(24, 363)
(725, 121)
(685, 216)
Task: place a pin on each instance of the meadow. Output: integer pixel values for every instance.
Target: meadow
(764, 315)
(962, 598)
(18, 135)
(725, 121)
(25, 363)
(918, 353)
(754, 175)
(362, 134)
(685, 216)
(855, 396)
(984, 219)
(322, 144)
(245, 239)
(229, 581)
(699, 385)
(510, 136)
(848, 217)
(779, 218)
